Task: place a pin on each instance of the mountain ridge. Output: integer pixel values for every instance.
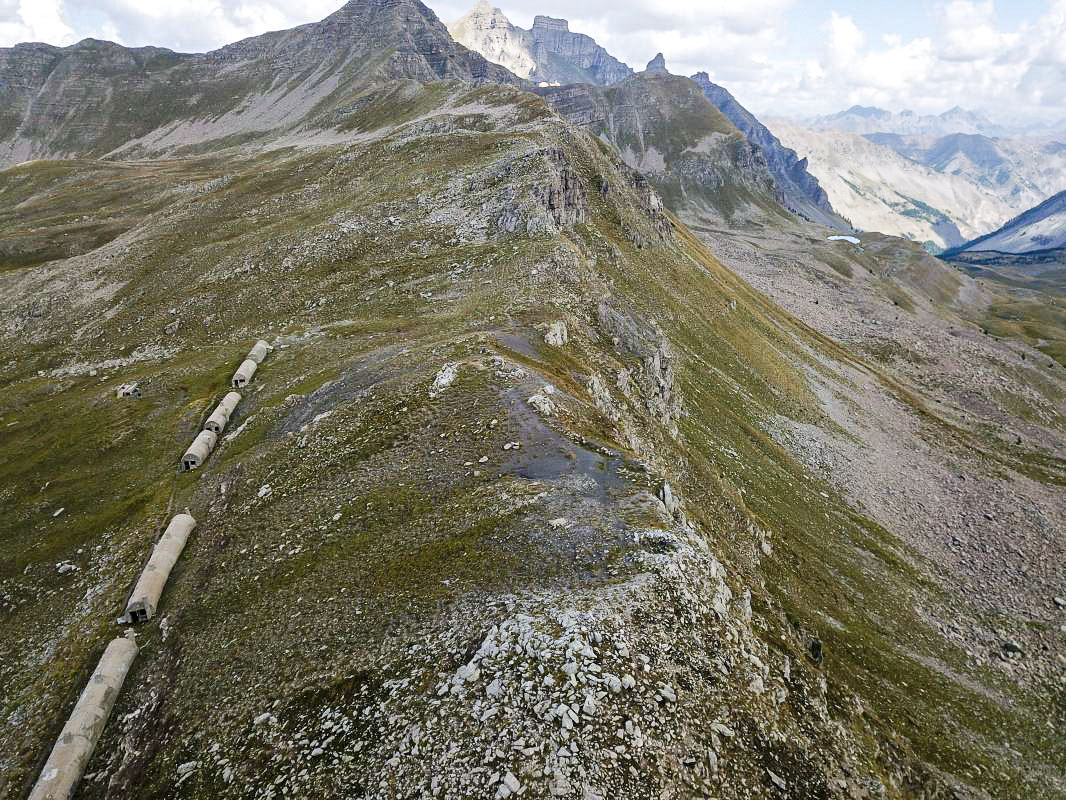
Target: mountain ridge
(544, 490)
(151, 98)
(801, 192)
(1041, 229)
(870, 119)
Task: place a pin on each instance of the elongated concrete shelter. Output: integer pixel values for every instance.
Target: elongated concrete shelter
(145, 598)
(218, 420)
(259, 351)
(199, 450)
(243, 376)
(76, 743)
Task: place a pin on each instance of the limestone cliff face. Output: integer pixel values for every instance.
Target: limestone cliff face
(800, 191)
(548, 53)
(486, 30)
(94, 98)
(559, 51)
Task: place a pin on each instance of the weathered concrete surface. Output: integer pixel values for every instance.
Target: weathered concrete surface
(199, 450)
(220, 418)
(259, 352)
(145, 598)
(75, 745)
(244, 373)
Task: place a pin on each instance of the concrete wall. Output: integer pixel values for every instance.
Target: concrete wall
(145, 598)
(76, 743)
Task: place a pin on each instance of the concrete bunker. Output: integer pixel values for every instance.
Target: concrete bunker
(243, 376)
(259, 351)
(76, 742)
(199, 450)
(144, 601)
(218, 420)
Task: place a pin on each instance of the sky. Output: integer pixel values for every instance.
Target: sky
(797, 58)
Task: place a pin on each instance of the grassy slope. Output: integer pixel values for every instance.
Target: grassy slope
(255, 600)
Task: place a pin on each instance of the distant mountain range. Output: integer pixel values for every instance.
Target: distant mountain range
(877, 189)
(1022, 172)
(867, 119)
(958, 120)
(934, 179)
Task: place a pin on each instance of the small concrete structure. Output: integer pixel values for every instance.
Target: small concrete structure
(243, 376)
(128, 390)
(217, 421)
(259, 351)
(199, 450)
(76, 743)
(145, 598)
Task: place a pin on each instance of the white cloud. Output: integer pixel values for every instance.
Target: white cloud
(33, 21)
(967, 59)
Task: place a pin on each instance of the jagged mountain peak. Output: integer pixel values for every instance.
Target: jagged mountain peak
(548, 53)
(657, 66)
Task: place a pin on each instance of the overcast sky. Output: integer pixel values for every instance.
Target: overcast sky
(788, 57)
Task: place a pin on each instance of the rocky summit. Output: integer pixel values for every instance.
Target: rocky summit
(548, 53)
(377, 423)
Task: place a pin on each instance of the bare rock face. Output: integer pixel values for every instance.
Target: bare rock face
(548, 53)
(556, 46)
(564, 196)
(667, 130)
(486, 30)
(555, 201)
(655, 373)
(657, 66)
(800, 191)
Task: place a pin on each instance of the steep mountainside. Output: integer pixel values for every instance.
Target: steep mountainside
(1038, 229)
(877, 189)
(97, 98)
(865, 119)
(548, 53)
(1022, 172)
(800, 191)
(533, 497)
(665, 128)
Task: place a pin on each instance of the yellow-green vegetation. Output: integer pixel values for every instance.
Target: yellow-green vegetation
(356, 509)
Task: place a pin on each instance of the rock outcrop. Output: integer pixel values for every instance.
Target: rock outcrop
(666, 129)
(657, 66)
(799, 191)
